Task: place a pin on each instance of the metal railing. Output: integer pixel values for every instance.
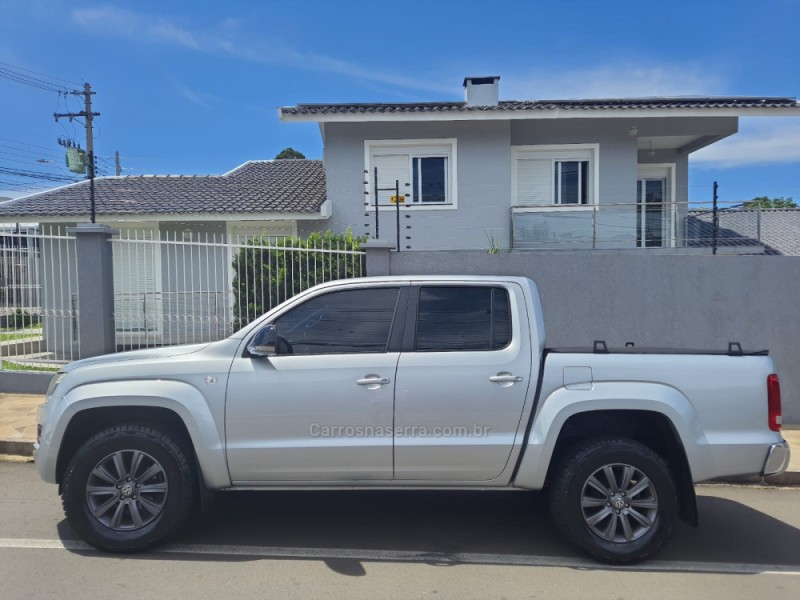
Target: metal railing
(38, 298)
(677, 225)
(180, 287)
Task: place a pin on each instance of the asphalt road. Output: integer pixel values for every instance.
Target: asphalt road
(396, 545)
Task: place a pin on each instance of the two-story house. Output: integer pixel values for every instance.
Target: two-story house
(483, 173)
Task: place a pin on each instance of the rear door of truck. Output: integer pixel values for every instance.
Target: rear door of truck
(462, 381)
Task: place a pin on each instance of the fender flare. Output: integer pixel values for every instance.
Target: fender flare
(554, 411)
(181, 398)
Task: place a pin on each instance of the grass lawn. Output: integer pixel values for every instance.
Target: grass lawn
(8, 337)
(12, 366)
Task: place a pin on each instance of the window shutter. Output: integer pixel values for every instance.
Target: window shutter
(534, 182)
(135, 304)
(391, 168)
(242, 235)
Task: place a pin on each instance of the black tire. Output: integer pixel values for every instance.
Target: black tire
(582, 515)
(165, 503)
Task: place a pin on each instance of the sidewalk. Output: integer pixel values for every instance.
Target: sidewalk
(18, 424)
(18, 432)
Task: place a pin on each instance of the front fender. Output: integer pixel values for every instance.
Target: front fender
(563, 403)
(181, 398)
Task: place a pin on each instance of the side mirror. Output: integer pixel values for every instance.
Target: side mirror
(263, 343)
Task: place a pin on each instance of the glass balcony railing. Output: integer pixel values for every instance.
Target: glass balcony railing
(732, 227)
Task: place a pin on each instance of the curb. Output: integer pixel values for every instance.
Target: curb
(787, 478)
(16, 448)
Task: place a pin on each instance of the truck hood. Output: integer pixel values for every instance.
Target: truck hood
(151, 353)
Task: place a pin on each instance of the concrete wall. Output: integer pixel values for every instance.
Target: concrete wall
(652, 300)
(484, 174)
(22, 382)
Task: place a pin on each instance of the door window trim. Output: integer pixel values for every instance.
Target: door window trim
(409, 336)
(396, 329)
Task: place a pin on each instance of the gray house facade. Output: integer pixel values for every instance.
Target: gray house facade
(538, 174)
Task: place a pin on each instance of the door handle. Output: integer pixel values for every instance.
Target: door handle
(373, 382)
(507, 378)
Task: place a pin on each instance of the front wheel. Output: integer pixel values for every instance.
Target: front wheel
(614, 498)
(128, 488)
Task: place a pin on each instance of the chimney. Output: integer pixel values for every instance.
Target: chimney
(482, 91)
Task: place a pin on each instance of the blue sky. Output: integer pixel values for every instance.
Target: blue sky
(192, 87)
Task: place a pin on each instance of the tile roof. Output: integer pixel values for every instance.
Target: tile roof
(276, 186)
(776, 229)
(619, 104)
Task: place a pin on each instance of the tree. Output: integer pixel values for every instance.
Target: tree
(765, 202)
(289, 153)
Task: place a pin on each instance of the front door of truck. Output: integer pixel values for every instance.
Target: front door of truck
(319, 407)
(462, 382)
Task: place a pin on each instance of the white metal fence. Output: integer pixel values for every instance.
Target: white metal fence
(188, 287)
(38, 298)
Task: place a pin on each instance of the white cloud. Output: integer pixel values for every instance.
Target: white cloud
(120, 22)
(760, 141)
(125, 23)
(199, 98)
(621, 80)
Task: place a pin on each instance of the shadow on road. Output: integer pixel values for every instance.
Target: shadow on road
(448, 523)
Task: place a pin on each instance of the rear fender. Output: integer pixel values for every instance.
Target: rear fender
(562, 404)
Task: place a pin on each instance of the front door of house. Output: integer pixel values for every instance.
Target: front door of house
(651, 213)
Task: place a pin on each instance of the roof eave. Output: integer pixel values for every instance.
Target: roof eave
(321, 213)
(552, 113)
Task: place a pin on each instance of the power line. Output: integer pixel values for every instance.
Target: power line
(24, 144)
(35, 174)
(32, 82)
(55, 172)
(34, 79)
(20, 185)
(41, 74)
(34, 162)
(23, 153)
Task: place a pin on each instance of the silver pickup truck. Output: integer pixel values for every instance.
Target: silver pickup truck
(408, 382)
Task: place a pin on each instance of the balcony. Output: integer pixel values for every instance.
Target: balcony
(680, 227)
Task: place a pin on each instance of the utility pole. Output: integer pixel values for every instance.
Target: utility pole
(88, 116)
(116, 162)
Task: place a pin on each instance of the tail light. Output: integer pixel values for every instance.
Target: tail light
(774, 402)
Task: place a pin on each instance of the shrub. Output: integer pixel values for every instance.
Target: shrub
(268, 272)
(22, 319)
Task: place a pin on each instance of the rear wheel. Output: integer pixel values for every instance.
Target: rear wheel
(128, 488)
(614, 498)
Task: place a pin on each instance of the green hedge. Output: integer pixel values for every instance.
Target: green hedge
(266, 276)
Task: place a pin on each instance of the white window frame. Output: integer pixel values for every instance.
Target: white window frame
(558, 191)
(557, 153)
(415, 148)
(664, 171)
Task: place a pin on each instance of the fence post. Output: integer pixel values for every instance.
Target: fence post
(379, 259)
(93, 251)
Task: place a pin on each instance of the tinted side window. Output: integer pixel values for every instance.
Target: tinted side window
(351, 321)
(463, 318)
